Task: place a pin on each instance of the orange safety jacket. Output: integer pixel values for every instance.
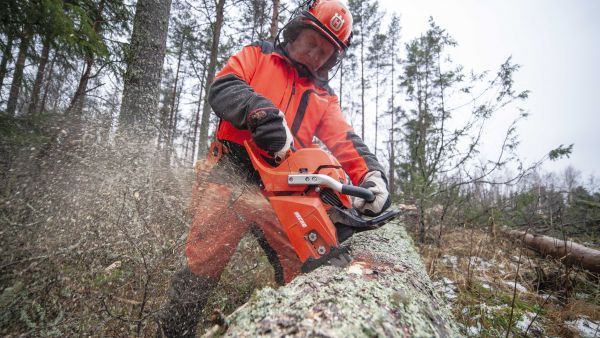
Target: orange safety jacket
(261, 76)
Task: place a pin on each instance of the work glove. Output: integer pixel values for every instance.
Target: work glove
(270, 131)
(374, 182)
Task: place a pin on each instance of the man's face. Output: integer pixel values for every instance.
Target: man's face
(310, 49)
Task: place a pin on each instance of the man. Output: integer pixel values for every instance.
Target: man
(277, 96)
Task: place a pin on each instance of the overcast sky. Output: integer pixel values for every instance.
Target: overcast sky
(557, 43)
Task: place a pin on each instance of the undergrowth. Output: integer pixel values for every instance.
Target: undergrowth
(92, 230)
(477, 271)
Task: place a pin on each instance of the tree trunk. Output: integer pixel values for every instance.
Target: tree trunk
(362, 75)
(139, 107)
(173, 113)
(274, 20)
(6, 56)
(197, 115)
(76, 105)
(176, 117)
(568, 252)
(211, 71)
(341, 68)
(384, 292)
(15, 87)
(48, 82)
(39, 77)
(376, 105)
(391, 181)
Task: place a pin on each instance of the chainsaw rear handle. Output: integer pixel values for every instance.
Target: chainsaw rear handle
(320, 179)
(355, 191)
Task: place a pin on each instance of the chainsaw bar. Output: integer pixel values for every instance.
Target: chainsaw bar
(351, 219)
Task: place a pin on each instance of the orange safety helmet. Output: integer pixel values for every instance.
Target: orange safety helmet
(332, 19)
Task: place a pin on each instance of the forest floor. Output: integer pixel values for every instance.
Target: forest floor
(493, 284)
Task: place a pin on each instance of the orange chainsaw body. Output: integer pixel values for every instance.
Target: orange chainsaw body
(299, 208)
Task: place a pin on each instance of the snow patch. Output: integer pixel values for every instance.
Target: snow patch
(481, 264)
(447, 287)
(474, 330)
(449, 260)
(585, 327)
(525, 321)
(520, 287)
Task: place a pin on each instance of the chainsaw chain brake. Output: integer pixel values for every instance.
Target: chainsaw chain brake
(337, 256)
(341, 260)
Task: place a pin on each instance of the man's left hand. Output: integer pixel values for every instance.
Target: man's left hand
(374, 182)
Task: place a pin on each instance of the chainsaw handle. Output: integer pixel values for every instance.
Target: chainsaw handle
(320, 179)
(360, 192)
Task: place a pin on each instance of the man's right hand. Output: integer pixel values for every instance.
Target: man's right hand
(270, 131)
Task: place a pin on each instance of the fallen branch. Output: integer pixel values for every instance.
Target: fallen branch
(384, 292)
(570, 253)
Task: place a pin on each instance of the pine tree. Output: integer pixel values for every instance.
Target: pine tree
(255, 21)
(210, 74)
(432, 147)
(145, 57)
(366, 15)
(6, 56)
(378, 64)
(392, 55)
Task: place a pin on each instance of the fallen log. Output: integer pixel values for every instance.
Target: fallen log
(568, 252)
(385, 291)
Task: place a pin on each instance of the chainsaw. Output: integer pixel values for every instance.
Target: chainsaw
(309, 192)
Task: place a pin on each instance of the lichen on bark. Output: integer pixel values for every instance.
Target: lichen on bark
(385, 291)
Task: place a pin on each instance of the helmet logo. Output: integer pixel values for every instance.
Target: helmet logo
(336, 22)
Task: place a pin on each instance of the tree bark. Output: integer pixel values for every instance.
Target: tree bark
(39, 77)
(341, 67)
(211, 71)
(362, 73)
(570, 253)
(274, 20)
(76, 105)
(15, 87)
(385, 292)
(145, 59)
(174, 94)
(391, 181)
(48, 82)
(197, 114)
(376, 104)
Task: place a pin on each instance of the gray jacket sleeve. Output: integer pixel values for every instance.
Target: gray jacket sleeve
(232, 99)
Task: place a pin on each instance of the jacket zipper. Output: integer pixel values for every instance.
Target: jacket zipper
(292, 93)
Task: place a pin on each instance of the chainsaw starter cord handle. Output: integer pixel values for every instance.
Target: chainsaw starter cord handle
(363, 193)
